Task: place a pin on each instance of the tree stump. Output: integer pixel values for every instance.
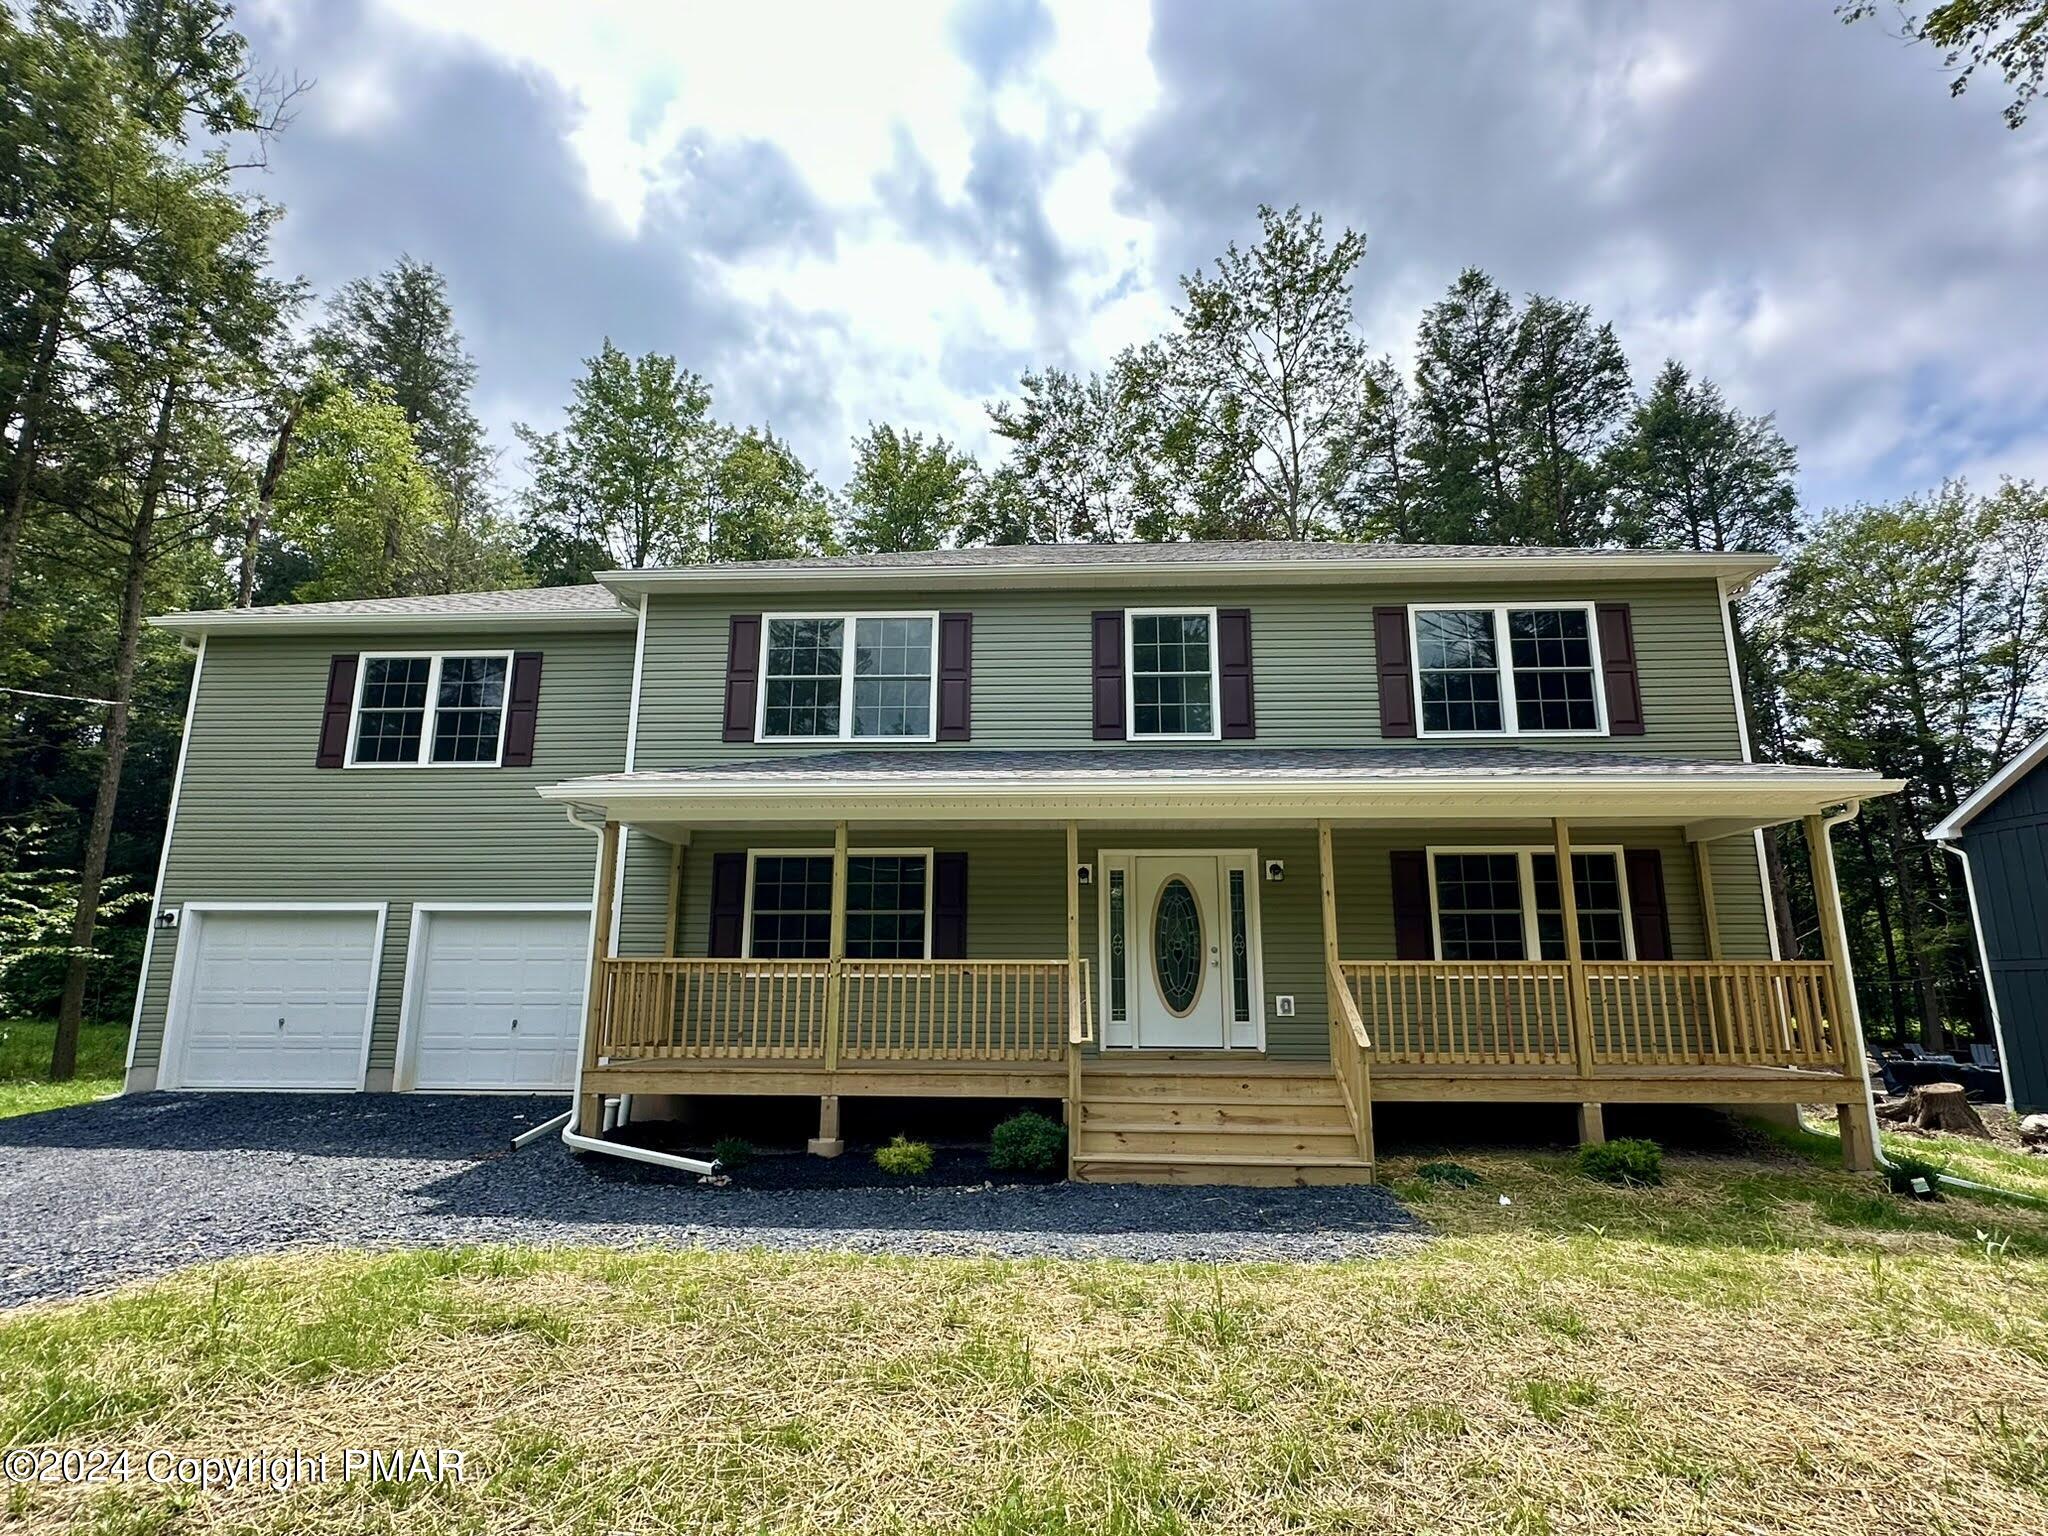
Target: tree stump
(1943, 1107)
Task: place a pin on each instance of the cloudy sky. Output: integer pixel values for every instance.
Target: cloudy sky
(883, 211)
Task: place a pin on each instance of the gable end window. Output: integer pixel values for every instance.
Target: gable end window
(436, 710)
(1508, 671)
(1170, 659)
(845, 677)
(1488, 902)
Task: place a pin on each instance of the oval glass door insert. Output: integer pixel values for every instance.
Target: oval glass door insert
(1177, 945)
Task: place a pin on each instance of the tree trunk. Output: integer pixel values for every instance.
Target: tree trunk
(266, 498)
(64, 1052)
(1781, 897)
(1932, 1036)
(21, 472)
(1884, 927)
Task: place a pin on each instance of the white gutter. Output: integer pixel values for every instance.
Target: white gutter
(1828, 825)
(1983, 964)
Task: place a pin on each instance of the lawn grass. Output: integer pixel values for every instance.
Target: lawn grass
(1964, 1156)
(1762, 1344)
(25, 1085)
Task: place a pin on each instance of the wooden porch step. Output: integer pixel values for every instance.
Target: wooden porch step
(1305, 1088)
(1123, 1114)
(1234, 1142)
(1140, 1168)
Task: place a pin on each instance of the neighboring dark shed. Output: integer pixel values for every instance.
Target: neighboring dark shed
(2002, 833)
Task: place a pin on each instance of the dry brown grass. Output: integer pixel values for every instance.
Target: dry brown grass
(1756, 1347)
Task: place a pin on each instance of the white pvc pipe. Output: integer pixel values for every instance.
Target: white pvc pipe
(528, 1137)
(633, 1154)
(1827, 826)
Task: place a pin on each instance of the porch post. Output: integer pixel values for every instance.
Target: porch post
(1353, 1070)
(1710, 917)
(590, 1106)
(1859, 1152)
(835, 953)
(1073, 1105)
(1591, 1125)
(675, 897)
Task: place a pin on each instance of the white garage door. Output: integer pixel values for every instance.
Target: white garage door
(499, 998)
(277, 1000)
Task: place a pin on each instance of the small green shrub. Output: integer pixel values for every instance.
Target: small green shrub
(1905, 1169)
(904, 1158)
(1626, 1161)
(733, 1153)
(1028, 1143)
(1457, 1175)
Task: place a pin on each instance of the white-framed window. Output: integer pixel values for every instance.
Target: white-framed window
(1519, 669)
(1503, 904)
(1170, 674)
(441, 710)
(888, 904)
(848, 677)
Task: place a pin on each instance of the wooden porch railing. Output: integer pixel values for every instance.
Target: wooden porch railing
(1637, 1013)
(888, 1010)
(1350, 1051)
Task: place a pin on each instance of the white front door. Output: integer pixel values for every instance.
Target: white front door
(1177, 938)
(275, 999)
(499, 999)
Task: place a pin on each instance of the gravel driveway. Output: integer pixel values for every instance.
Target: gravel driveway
(135, 1186)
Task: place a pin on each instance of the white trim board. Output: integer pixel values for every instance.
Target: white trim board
(163, 869)
(168, 1057)
(402, 1064)
(2023, 762)
(1727, 594)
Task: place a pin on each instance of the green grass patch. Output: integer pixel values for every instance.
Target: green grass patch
(25, 1086)
(1582, 1357)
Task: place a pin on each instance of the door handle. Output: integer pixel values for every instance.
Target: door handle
(515, 1023)
(280, 1023)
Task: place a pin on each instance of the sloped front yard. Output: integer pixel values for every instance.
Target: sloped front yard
(1763, 1345)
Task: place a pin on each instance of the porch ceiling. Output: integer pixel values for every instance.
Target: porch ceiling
(1492, 785)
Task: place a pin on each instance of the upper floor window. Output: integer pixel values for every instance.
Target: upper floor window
(1490, 901)
(430, 709)
(1508, 671)
(835, 678)
(1172, 666)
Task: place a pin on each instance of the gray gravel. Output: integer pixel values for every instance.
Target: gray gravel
(137, 1186)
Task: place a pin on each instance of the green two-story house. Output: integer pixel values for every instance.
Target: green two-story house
(1218, 844)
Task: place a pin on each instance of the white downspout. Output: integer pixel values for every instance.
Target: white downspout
(571, 1137)
(1828, 825)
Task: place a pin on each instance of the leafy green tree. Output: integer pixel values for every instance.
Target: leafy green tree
(764, 504)
(1267, 345)
(359, 501)
(1691, 472)
(627, 481)
(1573, 393)
(906, 494)
(1385, 498)
(397, 331)
(1064, 431)
(2009, 35)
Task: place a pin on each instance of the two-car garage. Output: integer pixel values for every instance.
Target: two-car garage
(285, 996)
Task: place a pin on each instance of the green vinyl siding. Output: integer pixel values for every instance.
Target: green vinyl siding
(256, 821)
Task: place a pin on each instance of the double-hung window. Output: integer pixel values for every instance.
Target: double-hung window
(1488, 903)
(1506, 671)
(1172, 665)
(888, 905)
(847, 677)
(438, 710)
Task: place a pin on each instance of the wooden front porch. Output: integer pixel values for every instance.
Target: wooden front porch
(1569, 1031)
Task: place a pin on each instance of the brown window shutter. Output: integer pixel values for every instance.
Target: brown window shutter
(334, 713)
(1414, 936)
(956, 677)
(1108, 672)
(1397, 671)
(742, 676)
(1234, 673)
(949, 906)
(1618, 670)
(522, 709)
(1648, 914)
(728, 905)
